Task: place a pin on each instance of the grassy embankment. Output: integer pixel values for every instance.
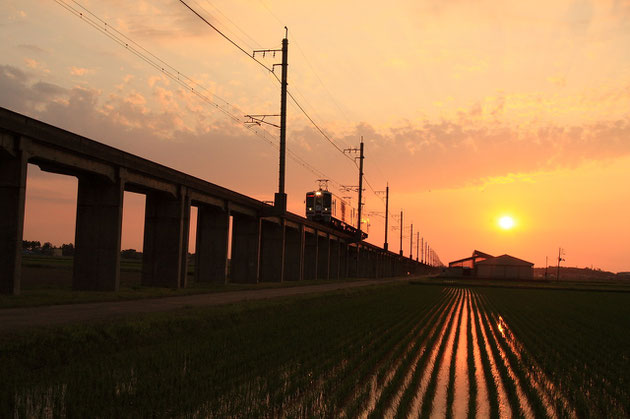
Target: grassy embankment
(374, 350)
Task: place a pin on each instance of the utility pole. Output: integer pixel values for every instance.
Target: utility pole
(385, 245)
(280, 202)
(280, 198)
(360, 204)
(401, 232)
(411, 243)
(546, 265)
(422, 247)
(560, 259)
(418, 247)
(360, 186)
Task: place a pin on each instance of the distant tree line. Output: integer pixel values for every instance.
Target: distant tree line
(35, 246)
(67, 249)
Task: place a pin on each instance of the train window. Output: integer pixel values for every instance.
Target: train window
(327, 200)
(334, 207)
(310, 201)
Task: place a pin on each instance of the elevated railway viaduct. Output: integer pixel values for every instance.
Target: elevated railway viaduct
(266, 245)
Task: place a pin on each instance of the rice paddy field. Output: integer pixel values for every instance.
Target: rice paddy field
(396, 350)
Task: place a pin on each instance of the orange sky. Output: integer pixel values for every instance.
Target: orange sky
(470, 110)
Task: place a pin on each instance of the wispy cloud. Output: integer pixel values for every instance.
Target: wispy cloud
(79, 71)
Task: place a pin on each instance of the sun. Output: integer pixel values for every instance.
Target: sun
(506, 222)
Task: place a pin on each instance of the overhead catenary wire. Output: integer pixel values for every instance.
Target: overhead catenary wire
(233, 24)
(188, 83)
(225, 36)
(180, 78)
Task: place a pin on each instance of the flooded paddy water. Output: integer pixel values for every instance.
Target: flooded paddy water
(391, 351)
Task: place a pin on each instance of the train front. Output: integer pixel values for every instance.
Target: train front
(318, 206)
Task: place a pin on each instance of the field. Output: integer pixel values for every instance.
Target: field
(47, 280)
(392, 350)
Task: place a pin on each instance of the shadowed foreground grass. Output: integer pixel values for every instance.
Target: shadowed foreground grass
(316, 355)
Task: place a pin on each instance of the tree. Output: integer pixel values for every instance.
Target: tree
(130, 254)
(47, 248)
(32, 246)
(67, 249)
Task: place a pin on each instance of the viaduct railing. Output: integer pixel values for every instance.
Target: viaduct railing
(266, 246)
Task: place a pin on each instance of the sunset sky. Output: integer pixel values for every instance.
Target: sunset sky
(471, 110)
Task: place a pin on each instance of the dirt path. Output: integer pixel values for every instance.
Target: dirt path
(18, 318)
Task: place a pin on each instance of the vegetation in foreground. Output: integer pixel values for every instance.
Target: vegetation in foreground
(383, 350)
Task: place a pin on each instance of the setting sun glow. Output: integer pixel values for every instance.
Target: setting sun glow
(506, 222)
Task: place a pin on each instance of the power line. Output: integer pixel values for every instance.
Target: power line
(232, 22)
(177, 76)
(225, 36)
(295, 101)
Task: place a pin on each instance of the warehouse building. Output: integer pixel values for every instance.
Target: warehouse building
(486, 266)
(504, 267)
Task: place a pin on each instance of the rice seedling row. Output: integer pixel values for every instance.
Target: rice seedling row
(393, 350)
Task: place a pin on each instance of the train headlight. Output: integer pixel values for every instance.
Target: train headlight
(318, 193)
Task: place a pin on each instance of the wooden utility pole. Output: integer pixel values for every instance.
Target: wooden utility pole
(418, 247)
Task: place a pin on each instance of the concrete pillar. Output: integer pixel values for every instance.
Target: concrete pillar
(310, 256)
(343, 259)
(97, 234)
(165, 253)
(272, 251)
(323, 257)
(294, 253)
(334, 259)
(352, 261)
(211, 250)
(361, 262)
(245, 261)
(373, 264)
(12, 194)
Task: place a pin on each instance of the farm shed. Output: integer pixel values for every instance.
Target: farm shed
(504, 267)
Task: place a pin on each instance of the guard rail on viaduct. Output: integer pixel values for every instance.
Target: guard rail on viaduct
(266, 246)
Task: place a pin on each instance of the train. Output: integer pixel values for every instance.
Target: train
(325, 207)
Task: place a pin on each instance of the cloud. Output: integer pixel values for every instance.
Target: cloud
(579, 17)
(169, 126)
(36, 65)
(169, 22)
(79, 71)
(199, 146)
(32, 48)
